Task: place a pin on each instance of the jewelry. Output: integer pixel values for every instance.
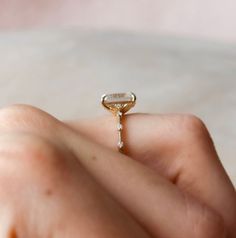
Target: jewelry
(119, 104)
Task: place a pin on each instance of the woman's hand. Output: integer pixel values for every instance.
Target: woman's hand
(66, 180)
(45, 190)
(180, 151)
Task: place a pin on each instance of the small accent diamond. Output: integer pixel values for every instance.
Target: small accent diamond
(119, 127)
(120, 144)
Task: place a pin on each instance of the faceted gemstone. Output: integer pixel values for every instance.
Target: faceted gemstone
(118, 97)
(119, 127)
(119, 102)
(120, 144)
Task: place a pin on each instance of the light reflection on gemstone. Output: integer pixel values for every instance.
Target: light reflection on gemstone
(120, 144)
(119, 101)
(118, 97)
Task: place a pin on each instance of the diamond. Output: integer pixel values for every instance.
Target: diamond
(119, 127)
(119, 102)
(120, 144)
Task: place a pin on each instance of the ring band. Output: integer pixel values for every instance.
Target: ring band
(118, 104)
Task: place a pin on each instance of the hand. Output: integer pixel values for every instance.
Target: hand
(45, 190)
(180, 151)
(178, 190)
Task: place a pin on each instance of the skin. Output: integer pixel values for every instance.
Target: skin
(66, 179)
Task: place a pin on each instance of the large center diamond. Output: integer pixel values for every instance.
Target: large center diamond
(119, 101)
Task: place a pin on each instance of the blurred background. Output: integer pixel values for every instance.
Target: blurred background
(214, 19)
(176, 55)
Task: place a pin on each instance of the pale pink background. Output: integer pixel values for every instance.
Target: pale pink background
(214, 19)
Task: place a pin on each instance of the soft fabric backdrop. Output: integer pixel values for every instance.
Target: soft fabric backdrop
(215, 19)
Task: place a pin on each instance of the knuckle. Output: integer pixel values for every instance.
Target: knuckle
(40, 149)
(30, 167)
(29, 155)
(192, 123)
(20, 116)
(193, 128)
(17, 112)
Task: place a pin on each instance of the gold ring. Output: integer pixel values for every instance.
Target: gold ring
(118, 104)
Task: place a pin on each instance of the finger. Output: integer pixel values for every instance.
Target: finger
(179, 148)
(52, 199)
(154, 201)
